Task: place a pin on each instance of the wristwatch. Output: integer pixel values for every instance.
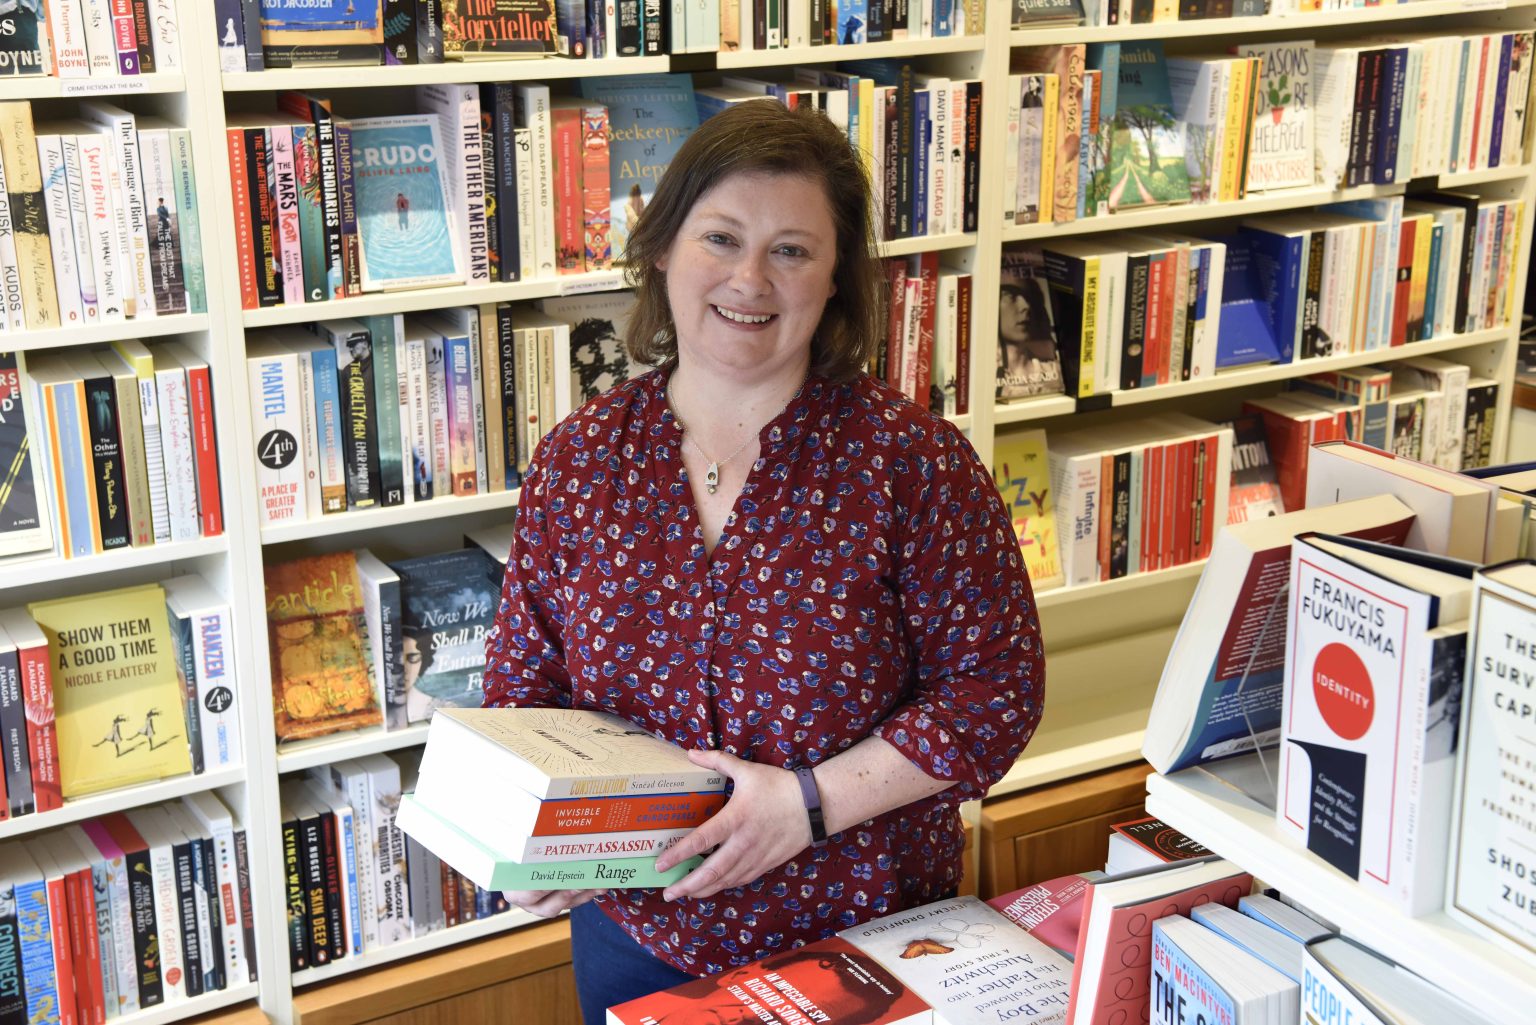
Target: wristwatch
(812, 797)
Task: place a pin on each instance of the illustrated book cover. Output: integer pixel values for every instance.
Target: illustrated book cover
(403, 217)
(475, 29)
(1281, 156)
(447, 605)
(1023, 478)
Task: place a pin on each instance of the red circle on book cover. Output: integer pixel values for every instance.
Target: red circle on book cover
(1341, 686)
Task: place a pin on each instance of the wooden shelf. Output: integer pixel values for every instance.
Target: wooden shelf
(790, 55)
(393, 516)
(372, 76)
(416, 946)
(1299, 23)
(105, 803)
(23, 572)
(39, 87)
(1202, 804)
(96, 334)
(336, 747)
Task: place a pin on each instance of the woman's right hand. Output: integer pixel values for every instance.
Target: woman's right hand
(548, 903)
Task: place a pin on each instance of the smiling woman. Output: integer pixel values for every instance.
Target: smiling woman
(760, 554)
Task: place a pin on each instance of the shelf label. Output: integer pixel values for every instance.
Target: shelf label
(1484, 5)
(604, 283)
(99, 86)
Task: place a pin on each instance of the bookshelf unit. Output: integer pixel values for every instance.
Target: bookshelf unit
(1106, 641)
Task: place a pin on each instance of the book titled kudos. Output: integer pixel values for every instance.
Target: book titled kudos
(593, 799)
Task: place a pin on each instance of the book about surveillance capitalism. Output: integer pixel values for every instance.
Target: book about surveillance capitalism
(402, 204)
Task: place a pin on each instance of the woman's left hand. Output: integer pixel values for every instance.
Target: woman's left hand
(762, 826)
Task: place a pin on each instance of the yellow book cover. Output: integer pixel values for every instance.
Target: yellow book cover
(1418, 282)
(1022, 474)
(322, 664)
(1048, 143)
(1087, 366)
(1232, 148)
(116, 700)
(29, 217)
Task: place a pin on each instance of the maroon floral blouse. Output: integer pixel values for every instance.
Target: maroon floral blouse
(867, 583)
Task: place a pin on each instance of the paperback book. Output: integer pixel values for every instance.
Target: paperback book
(1028, 360)
(403, 216)
(1023, 478)
(1282, 156)
(24, 525)
(476, 29)
(447, 606)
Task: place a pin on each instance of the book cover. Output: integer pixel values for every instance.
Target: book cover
(1200, 975)
(314, 28)
(1157, 839)
(1255, 492)
(960, 955)
(447, 606)
(1028, 362)
(322, 669)
(24, 523)
(472, 28)
(24, 39)
(402, 204)
(1146, 158)
(598, 358)
(1051, 911)
(649, 117)
(1281, 154)
(1022, 476)
(117, 704)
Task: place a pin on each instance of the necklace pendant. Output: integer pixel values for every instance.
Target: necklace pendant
(712, 477)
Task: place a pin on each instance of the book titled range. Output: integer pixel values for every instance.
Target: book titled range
(108, 449)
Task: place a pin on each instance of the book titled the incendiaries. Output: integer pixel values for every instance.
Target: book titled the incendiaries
(402, 204)
(557, 752)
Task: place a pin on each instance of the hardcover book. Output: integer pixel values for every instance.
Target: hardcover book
(1023, 477)
(556, 752)
(117, 703)
(402, 204)
(1281, 155)
(498, 28)
(322, 664)
(447, 607)
(1052, 911)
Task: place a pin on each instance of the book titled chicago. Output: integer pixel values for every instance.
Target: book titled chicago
(558, 752)
(402, 204)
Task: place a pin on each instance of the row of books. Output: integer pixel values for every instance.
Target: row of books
(108, 448)
(391, 410)
(355, 883)
(1095, 129)
(126, 912)
(91, 38)
(1137, 310)
(107, 690)
(927, 351)
(296, 33)
(116, 234)
(1100, 13)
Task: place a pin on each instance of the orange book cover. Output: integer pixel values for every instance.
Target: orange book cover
(578, 815)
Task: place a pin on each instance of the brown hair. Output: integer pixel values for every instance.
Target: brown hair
(764, 137)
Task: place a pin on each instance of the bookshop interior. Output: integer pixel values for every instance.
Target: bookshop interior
(368, 399)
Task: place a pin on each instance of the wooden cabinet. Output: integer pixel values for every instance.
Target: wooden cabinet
(521, 976)
(1055, 830)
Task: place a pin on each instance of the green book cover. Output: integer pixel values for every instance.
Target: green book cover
(1146, 160)
(388, 334)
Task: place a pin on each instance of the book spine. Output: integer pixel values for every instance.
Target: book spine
(388, 384)
(184, 906)
(245, 239)
(346, 197)
(460, 410)
(142, 927)
(478, 409)
(106, 463)
(14, 315)
(124, 136)
(330, 201)
(167, 936)
(595, 204)
(490, 153)
(476, 185)
(415, 412)
(36, 683)
(511, 405)
(123, 35)
(269, 286)
(218, 723)
(360, 444)
(502, 180)
(298, 930)
(429, 31)
(247, 922)
(66, 271)
(352, 908)
(205, 450)
(438, 417)
(29, 215)
(79, 908)
(180, 463)
(527, 249)
(165, 231)
(566, 136)
(79, 219)
(285, 193)
(330, 877)
(13, 741)
(101, 50)
(143, 38)
(61, 409)
(186, 677)
(39, 977)
(329, 433)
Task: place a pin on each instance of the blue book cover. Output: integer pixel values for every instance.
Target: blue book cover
(74, 480)
(1394, 75)
(922, 138)
(1278, 257)
(1432, 289)
(328, 431)
(853, 22)
(447, 607)
(1500, 102)
(193, 275)
(36, 936)
(649, 117)
(1182, 990)
(345, 826)
(402, 205)
(1245, 335)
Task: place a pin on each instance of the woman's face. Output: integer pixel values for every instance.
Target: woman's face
(1012, 317)
(749, 273)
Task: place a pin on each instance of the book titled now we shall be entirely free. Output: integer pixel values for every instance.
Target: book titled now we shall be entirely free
(583, 799)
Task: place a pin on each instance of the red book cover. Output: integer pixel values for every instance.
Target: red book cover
(450, 894)
(1209, 448)
(1183, 501)
(1402, 292)
(1169, 505)
(595, 199)
(205, 449)
(926, 267)
(63, 955)
(1477, 111)
(245, 252)
(1052, 912)
(1166, 371)
(1289, 439)
(90, 996)
(1119, 965)
(831, 982)
(896, 278)
(576, 815)
(1106, 505)
(963, 345)
(565, 128)
(1153, 356)
(1151, 507)
(42, 734)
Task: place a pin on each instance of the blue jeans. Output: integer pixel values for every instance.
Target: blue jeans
(611, 967)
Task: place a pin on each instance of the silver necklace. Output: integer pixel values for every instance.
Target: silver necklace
(712, 474)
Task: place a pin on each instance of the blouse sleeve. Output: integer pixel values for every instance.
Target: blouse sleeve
(524, 653)
(969, 615)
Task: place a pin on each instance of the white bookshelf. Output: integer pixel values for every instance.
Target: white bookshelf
(109, 801)
(1202, 804)
(33, 88)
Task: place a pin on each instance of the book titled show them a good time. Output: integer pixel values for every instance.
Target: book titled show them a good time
(402, 204)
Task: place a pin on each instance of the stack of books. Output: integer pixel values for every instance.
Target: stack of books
(584, 799)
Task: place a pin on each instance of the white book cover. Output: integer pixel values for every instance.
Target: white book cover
(555, 752)
(527, 249)
(391, 908)
(15, 318)
(61, 235)
(458, 110)
(213, 816)
(532, 113)
(408, 239)
(214, 659)
(970, 963)
(1493, 833)
(66, 31)
(80, 225)
(1368, 721)
(309, 433)
(96, 16)
(177, 448)
(1333, 73)
(1281, 156)
(285, 192)
(121, 129)
(165, 35)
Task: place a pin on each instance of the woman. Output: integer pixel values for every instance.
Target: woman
(762, 555)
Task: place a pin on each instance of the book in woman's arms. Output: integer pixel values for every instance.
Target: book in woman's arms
(556, 752)
(493, 869)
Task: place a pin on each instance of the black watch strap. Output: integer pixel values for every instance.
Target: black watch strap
(812, 797)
